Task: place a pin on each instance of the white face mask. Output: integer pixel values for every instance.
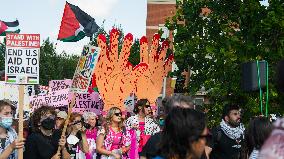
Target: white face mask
(72, 140)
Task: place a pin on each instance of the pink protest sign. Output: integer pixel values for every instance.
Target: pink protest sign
(56, 99)
(37, 101)
(88, 102)
(84, 101)
(56, 85)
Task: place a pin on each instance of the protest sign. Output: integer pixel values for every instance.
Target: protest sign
(129, 103)
(22, 58)
(88, 102)
(11, 93)
(43, 90)
(85, 69)
(55, 99)
(55, 85)
(84, 101)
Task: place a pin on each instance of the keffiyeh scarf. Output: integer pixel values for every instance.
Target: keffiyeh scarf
(232, 133)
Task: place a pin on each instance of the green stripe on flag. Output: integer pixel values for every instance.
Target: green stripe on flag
(11, 80)
(32, 82)
(74, 38)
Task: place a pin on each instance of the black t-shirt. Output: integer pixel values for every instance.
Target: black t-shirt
(39, 146)
(150, 150)
(224, 147)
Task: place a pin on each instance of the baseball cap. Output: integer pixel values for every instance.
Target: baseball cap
(62, 114)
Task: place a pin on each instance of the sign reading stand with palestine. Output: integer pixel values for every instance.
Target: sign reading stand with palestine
(85, 69)
(22, 58)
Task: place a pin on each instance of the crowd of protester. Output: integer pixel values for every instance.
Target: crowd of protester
(178, 131)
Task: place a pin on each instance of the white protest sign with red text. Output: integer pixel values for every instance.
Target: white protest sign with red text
(22, 58)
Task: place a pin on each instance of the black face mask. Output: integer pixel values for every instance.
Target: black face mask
(48, 123)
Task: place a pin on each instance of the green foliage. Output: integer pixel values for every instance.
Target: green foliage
(134, 57)
(2, 56)
(54, 66)
(215, 46)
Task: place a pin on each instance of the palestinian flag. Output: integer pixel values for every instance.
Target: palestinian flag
(9, 27)
(76, 24)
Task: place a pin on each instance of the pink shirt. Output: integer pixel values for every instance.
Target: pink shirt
(91, 138)
(142, 135)
(117, 142)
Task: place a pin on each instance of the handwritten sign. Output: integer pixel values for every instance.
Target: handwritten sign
(88, 102)
(129, 103)
(84, 101)
(85, 69)
(55, 85)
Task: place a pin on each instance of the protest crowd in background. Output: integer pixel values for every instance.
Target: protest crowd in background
(112, 109)
(180, 131)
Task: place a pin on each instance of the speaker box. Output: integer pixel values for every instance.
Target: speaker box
(280, 76)
(250, 76)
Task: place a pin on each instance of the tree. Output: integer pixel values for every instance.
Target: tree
(54, 66)
(2, 56)
(216, 37)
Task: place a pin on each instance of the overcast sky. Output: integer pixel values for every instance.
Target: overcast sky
(44, 17)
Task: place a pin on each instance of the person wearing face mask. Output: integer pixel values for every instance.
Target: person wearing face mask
(228, 137)
(44, 140)
(8, 136)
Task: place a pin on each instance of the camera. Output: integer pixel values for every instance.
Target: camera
(85, 125)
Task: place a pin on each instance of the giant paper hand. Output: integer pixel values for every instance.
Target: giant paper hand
(150, 84)
(114, 74)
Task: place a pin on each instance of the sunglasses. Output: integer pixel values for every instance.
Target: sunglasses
(118, 114)
(147, 106)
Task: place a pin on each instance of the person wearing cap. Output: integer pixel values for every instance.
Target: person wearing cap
(60, 119)
(8, 135)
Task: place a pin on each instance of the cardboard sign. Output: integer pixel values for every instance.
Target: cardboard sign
(56, 85)
(22, 58)
(85, 69)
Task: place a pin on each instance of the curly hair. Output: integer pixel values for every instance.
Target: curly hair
(38, 113)
(183, 126)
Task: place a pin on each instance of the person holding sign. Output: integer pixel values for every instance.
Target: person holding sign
(113, 140)
(8, 135)
(44, 141)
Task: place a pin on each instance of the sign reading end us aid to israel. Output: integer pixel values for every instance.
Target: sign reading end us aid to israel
(85, 69)
(22, 58)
